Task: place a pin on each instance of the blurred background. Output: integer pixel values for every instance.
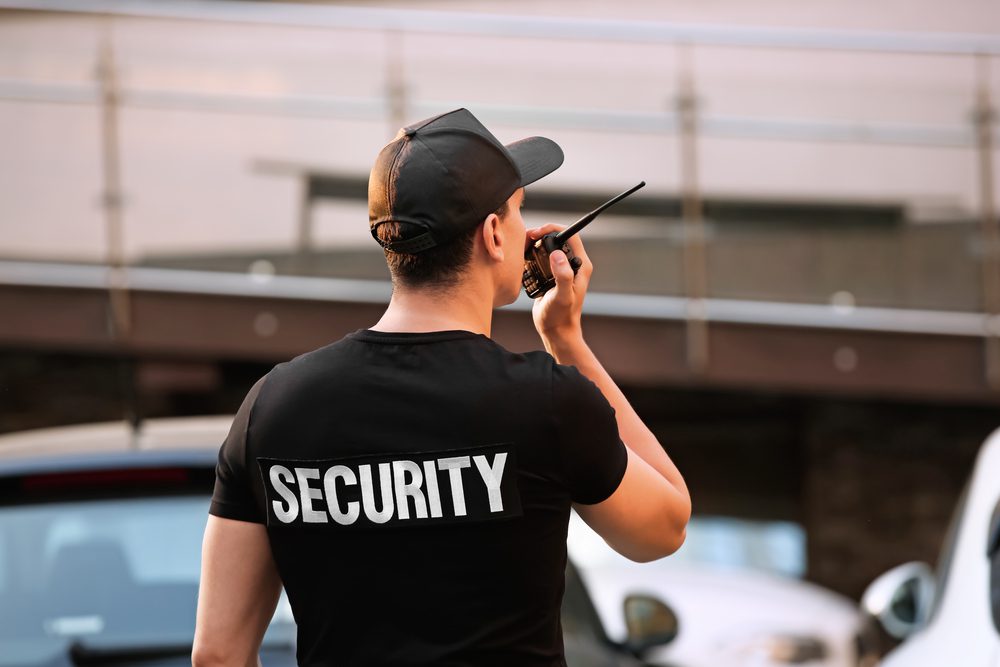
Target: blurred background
(803, 303)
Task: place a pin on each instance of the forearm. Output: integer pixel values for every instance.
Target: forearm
(647, 515)
(573, 350)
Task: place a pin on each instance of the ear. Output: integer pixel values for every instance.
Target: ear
(493, 238)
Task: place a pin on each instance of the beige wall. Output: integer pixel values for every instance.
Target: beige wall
(191, 159)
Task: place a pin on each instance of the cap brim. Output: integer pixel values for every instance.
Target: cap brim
(535, 157)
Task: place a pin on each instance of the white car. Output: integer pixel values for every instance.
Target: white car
(953, 618)
(729, 616)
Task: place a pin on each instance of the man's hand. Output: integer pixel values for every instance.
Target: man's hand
(557, 312)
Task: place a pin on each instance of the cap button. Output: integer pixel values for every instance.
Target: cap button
(409, 131)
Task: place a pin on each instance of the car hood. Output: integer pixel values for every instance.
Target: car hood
(725, 615)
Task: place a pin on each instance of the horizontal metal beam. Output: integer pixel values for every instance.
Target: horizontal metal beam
(639, 348)
(377, 108)
(538, 27)
(376, 292)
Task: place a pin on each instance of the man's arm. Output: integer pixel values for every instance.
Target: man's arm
(237, 596)
(647, 515)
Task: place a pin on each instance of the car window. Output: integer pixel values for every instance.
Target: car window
(109, 572)
(159, 538)
(4, 570)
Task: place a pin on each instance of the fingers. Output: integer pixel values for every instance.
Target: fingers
(539, 232)
(575, 243)
(563, 273)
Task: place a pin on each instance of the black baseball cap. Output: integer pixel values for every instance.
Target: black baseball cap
(445, 174)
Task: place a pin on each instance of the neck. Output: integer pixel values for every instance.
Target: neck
(414, 310)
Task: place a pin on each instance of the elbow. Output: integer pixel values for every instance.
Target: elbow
(668, 536)
(670, 541)
(204, 657)
(678, 515)
(203, 653)
(676, 540)
(683, 517)
(207, 655)
(647, 553)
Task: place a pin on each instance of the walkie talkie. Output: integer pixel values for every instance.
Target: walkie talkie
(538, 278)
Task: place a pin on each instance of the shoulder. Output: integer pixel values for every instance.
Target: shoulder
(313, 361)
(533, 365)
(575, 392)
(565, 387)
(320, 355)
(536, 360)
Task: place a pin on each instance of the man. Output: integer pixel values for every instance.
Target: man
(410, 485)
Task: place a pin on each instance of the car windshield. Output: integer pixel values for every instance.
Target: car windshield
(119, 573)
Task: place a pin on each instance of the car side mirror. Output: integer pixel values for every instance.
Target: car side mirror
(993, 554)
(650, 622)
(901, 598)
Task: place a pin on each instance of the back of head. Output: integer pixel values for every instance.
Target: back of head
(435, 268)
(435, 182)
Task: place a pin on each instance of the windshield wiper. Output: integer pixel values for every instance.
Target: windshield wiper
(82, 654)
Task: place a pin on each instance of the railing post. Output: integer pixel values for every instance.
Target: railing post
(985, 115)
(694, 260)
(112, 201)
(304, 238)
(395, 80)
(111, 197)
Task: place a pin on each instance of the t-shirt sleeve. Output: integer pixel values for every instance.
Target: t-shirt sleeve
(233, 496)
(593, 454)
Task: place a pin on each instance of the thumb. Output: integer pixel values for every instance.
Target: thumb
(563, 274)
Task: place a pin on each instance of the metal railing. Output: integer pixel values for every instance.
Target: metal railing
(633, 306)
(687, 120)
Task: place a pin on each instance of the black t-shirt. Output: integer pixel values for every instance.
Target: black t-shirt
(416, 489)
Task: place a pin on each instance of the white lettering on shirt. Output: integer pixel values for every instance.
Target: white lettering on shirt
(400, 490)
(408, 489)
(279, 475)
(344, 518)
(433, 493)
(454, 466)
(368, 493)
(307, 494)
(492, 476)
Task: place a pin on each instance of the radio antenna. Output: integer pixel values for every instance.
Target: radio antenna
(565, 234)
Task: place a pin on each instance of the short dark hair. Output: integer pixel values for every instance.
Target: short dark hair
(435, 267)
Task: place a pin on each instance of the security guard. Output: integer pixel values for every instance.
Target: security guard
(410, 485)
